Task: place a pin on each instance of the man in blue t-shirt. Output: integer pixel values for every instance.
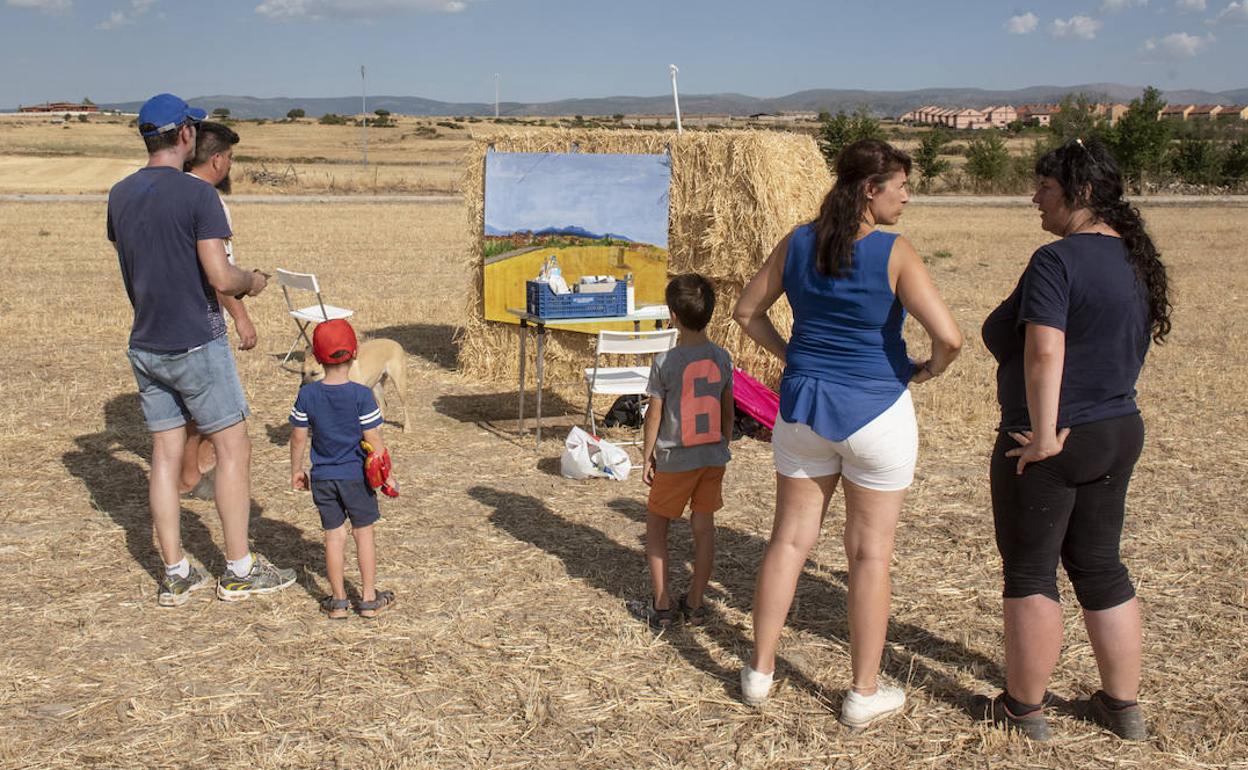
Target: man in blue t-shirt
(168, 229)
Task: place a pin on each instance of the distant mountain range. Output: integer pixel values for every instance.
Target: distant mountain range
(571, 230)
(883, 103)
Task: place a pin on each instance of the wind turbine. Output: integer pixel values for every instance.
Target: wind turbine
(676, 96)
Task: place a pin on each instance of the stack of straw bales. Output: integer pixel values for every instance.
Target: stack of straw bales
(734, 195)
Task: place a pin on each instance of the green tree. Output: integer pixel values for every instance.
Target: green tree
(295, 114)
(1235, 162)
(842, 130)
(1076, 119)
(824, 116)
(332, 119)
(1196, 161)
(87, 102)
(927, 157)
(221, 113)
(987, 160)
(1139, 141)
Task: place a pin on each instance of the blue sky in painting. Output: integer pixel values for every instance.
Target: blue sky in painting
(619, 194)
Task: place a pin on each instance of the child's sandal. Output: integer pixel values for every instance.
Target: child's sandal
(658, 620)
(384, 601)
(335, 609)
(694, 616)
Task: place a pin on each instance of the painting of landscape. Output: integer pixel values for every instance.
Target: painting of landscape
(597, 214)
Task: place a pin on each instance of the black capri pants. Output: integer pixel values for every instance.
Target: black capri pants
(1070, 506)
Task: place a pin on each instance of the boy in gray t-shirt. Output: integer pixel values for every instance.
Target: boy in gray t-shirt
(688, 425)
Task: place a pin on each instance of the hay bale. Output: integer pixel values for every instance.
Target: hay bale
(734, 195)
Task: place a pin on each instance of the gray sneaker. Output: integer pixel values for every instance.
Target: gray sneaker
(264, 578)
(175, 591)
(1127, 723)
(1034, 725)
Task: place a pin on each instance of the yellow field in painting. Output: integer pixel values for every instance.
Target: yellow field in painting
(505, 278)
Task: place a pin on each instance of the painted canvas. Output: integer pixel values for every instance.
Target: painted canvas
(598, 214)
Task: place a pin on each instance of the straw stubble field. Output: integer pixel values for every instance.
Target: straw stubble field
(510, 646)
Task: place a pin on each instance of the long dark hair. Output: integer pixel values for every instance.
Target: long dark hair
(1089, 178)
(836, 227)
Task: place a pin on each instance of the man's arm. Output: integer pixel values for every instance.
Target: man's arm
(242, 322)
(223, 276)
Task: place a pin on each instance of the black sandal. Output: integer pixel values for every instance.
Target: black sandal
(658, 620)
(694, 616)
(384, 601)
(335, 609)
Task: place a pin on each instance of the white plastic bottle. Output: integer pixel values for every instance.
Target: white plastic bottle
(630, 296)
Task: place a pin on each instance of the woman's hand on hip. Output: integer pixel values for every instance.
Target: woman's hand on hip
(921, 372)
(1034, 449)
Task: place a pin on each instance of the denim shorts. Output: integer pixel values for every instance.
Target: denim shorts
(338, 499)
(200, 384)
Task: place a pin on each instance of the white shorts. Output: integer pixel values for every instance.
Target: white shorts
(880, 455)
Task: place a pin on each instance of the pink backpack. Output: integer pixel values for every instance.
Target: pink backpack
(754, 398)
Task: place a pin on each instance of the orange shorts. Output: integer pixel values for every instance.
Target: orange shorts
(701, 489)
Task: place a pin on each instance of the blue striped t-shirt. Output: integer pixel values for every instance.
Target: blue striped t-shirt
(337, 415)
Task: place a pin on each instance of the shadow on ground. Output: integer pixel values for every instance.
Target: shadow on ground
(821, 607)
(591, 556)
(504, 407)
(436, 343)
(118, 488)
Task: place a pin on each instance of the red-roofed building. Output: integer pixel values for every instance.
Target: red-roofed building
(60, 107)
(1175, 111)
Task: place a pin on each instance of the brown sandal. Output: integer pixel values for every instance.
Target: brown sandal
(384, 601)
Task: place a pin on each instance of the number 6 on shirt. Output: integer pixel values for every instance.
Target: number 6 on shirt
(692, 406)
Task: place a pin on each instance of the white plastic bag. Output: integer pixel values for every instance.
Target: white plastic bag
(586, 456)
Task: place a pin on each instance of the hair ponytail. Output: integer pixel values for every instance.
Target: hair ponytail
(836, 228)
(1144, 258)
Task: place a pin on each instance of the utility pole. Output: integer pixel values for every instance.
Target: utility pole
(364, 110)
(676, 96)
(496, 96)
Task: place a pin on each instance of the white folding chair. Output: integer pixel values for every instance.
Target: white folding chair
(311, 314)
(622, 380)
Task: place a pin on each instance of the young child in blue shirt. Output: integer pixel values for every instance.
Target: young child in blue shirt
(340, 413)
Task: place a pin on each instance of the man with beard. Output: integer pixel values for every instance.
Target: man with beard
(168, 229)
(213, 158)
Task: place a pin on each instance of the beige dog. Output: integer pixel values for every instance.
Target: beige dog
(379, 365)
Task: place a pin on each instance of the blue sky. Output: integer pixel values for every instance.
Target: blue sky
(617, 194)
(121, 50)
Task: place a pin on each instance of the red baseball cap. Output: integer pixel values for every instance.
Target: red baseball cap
(333, 342)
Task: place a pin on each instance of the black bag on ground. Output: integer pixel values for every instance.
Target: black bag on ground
(625, 412)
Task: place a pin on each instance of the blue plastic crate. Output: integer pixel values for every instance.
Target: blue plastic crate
(543, 302)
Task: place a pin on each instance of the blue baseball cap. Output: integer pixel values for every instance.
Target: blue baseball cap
(166, 112)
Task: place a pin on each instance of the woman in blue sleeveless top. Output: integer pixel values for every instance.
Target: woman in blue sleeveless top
(845, 411)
